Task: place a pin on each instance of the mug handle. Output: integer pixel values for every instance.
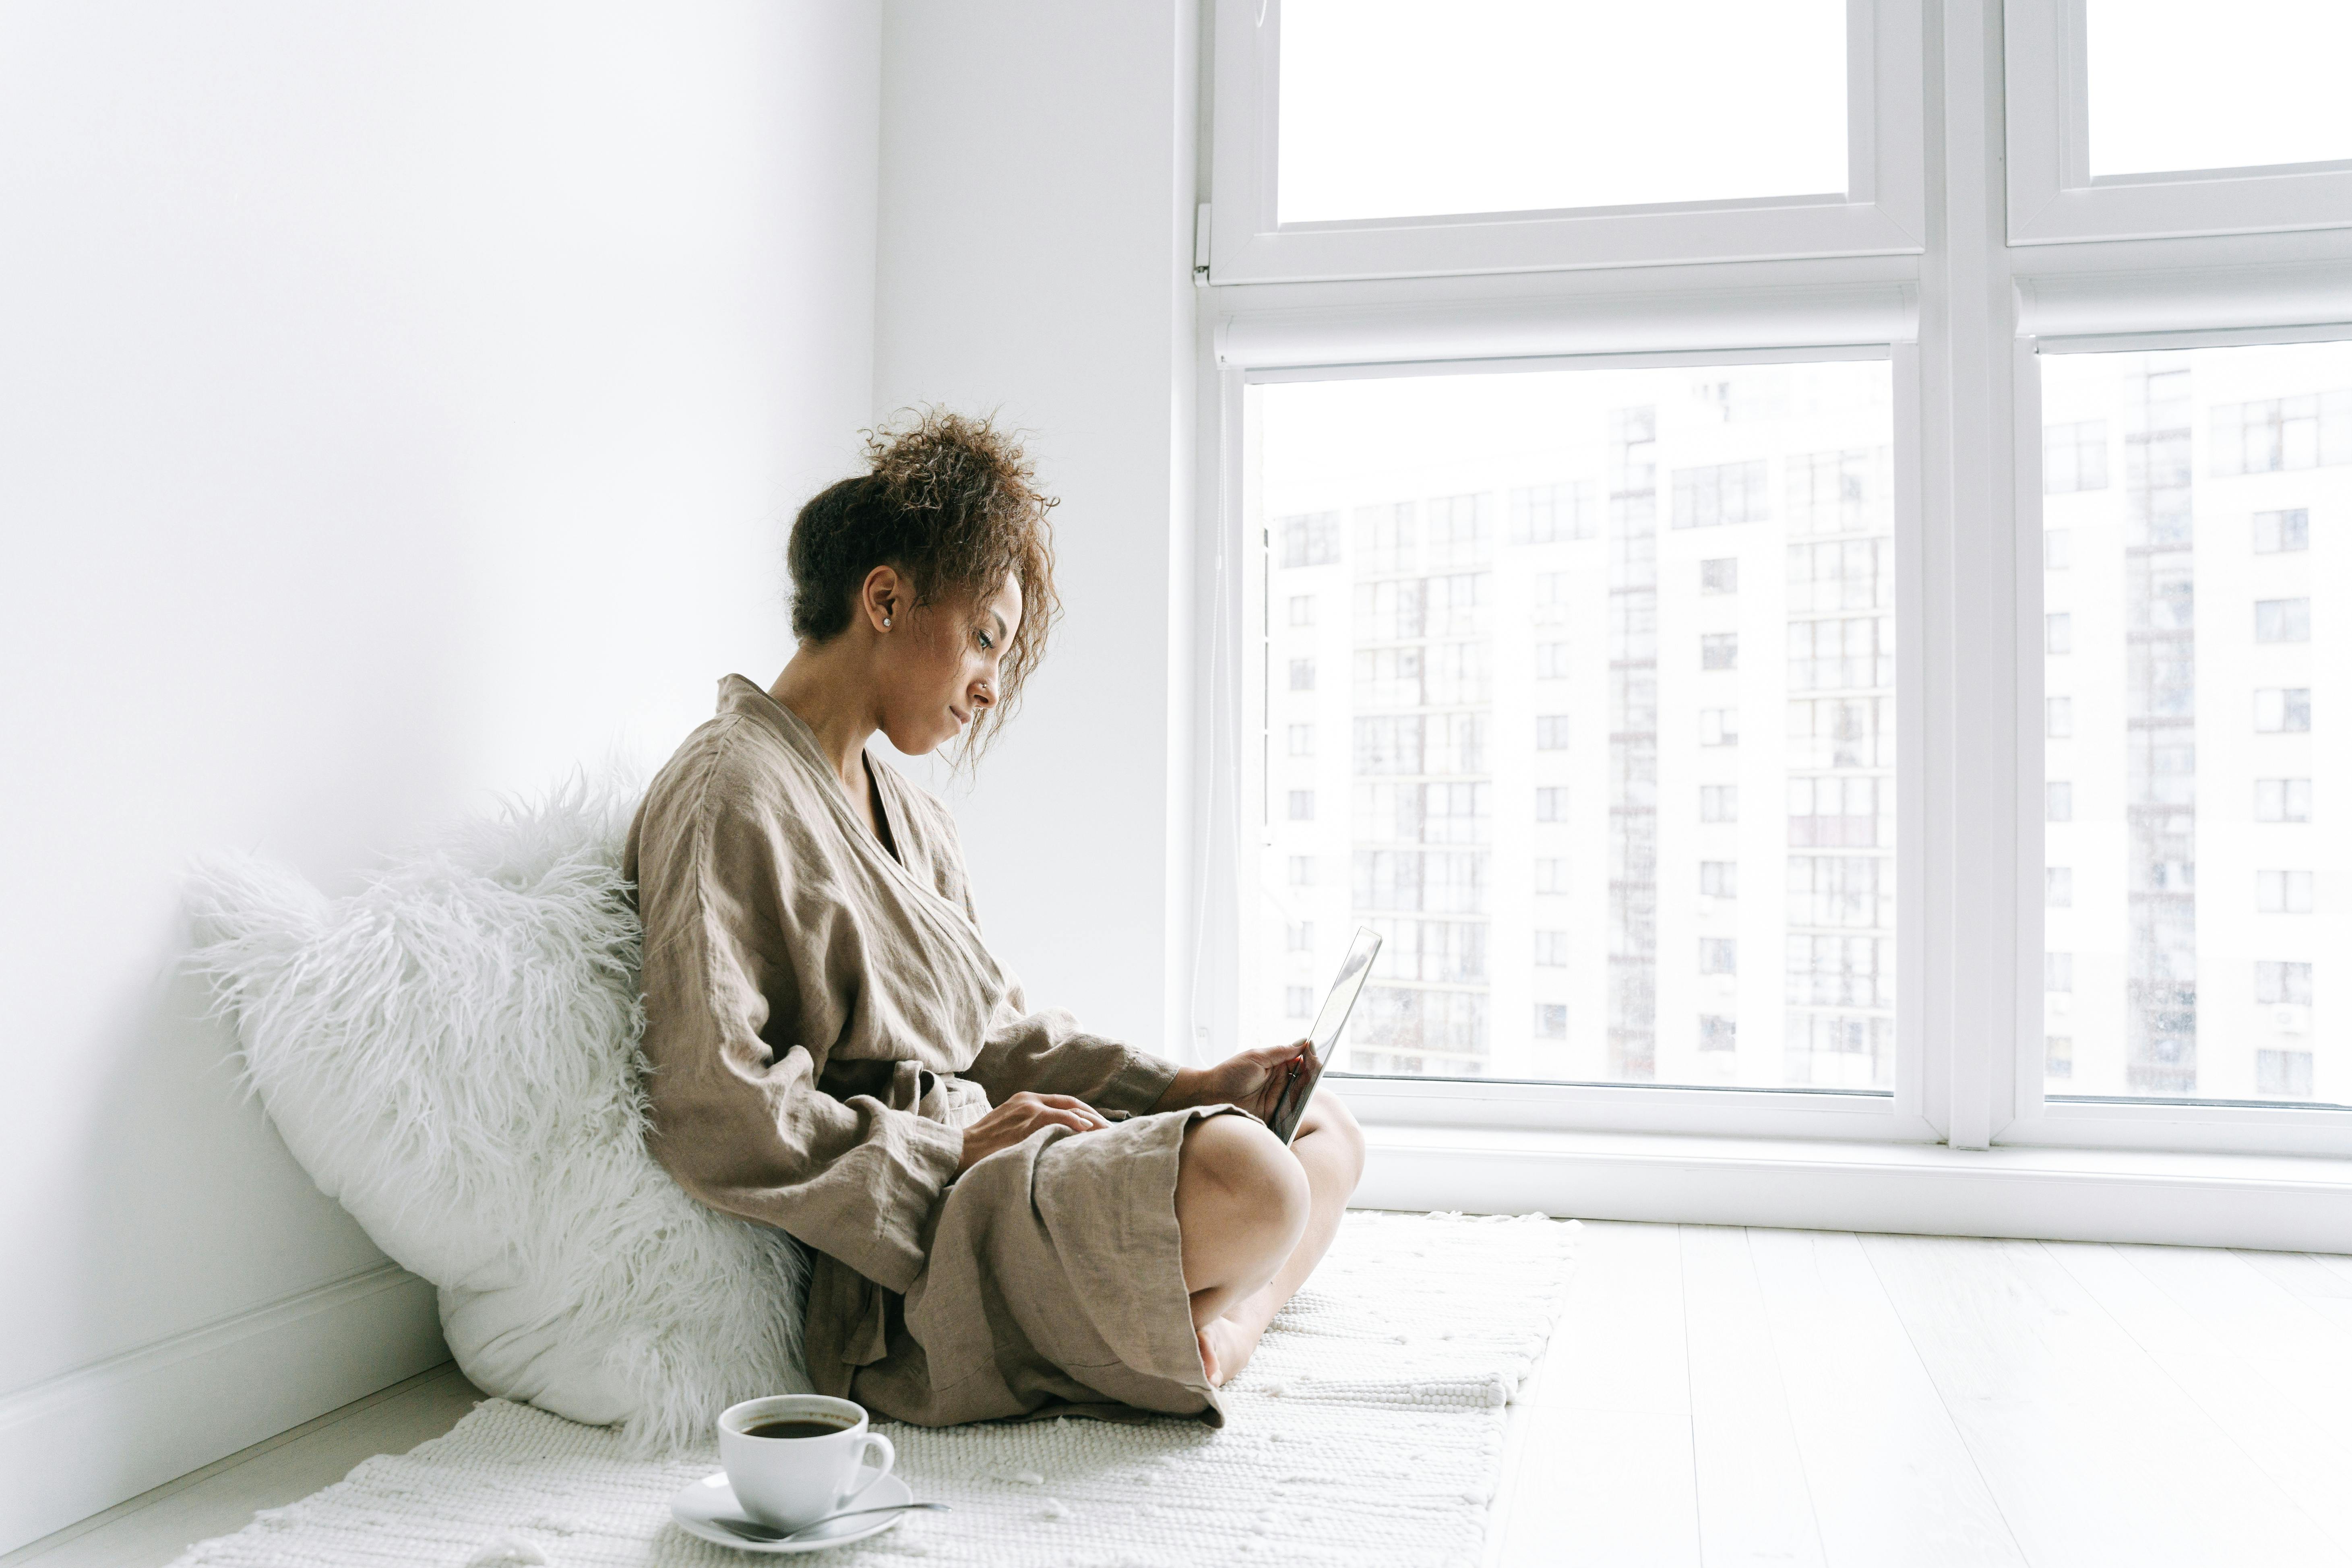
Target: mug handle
(859, 1479)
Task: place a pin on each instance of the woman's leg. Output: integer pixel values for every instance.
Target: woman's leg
(1328, 1152)
(1241, 1205)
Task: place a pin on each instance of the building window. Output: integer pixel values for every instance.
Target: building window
(1302, 870)
(1309, 539)
(2283, 1075)
(1717, 1033)
(1551, 733)
(1720, 575)
(1302, 805)
(1302, 609)
(1298, 1001)
(2283, 710)
(1302, 674)
(2283, 893)
(2282, 620)
(2275, 433)
(2282, 800)
(2058, 972)
(1547, 514)
(1551, 950)
(2058, 717)
(1718, 726)
(1718, 803)
(2280, 532)
(2057, 549)
(1551, 875)
(1720, 493)
(2058, 887)
(1551, 804)
(1551, 660)
(2075, 457)
(1298, 936)
(2058, 801)
(2059, 1056)
(2058, 632)
(1301, 739)
(1718, 879)
(1552, 1021)
(2281, 985)
(1718, 955)
(1718, 650)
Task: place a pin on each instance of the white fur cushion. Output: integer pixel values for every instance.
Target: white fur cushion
(451, 1053)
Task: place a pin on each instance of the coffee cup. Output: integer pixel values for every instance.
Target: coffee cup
(793, 1458)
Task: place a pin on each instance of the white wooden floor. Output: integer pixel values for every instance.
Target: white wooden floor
(1786, 1398)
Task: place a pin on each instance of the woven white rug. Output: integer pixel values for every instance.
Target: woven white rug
(1367, 1430)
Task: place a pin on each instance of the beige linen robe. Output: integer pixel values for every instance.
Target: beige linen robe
(821, 1018)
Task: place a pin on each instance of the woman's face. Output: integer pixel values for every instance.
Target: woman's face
(939, 666)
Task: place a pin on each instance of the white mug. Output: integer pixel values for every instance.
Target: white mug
(789, 1482)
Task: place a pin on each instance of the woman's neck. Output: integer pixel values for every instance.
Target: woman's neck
(828, 696)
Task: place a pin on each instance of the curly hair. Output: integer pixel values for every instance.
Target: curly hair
(950, 502)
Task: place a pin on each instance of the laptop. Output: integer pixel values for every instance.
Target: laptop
(1306, 1071)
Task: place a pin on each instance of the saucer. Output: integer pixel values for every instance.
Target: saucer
(701, 1502)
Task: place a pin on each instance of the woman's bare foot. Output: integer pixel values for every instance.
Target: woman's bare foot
(1225, 1348)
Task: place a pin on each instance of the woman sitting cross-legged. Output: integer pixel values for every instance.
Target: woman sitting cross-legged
(1011, 1217)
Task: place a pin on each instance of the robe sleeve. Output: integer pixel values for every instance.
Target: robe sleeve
(742, 1125)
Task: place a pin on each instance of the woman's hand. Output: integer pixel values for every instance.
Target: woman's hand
(1251, 1079)
(1018, 1116)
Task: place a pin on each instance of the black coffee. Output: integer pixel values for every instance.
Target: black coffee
(794, 1429)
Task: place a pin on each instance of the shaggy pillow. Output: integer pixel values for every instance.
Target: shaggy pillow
(452, 1054)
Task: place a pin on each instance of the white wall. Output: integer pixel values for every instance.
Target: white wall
(397, 404)
(1034, 257)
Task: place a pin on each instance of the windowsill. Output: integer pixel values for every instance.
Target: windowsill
(2273, 1202)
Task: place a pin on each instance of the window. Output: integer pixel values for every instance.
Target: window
(1298, 1001)
(1302, 674)
(1718, 879)
(2074, 456)
(1551, 950)
(2281, 533)
(1550, 514)
(1718, 726)
(1718, 803)
(1551, 660)
(2276, 434)
(1302, 609)
(2281, 709)
(2058, 1055)
(1717, 1033)
(2058, 972)
(2058, 801)
(1302, 870)
(1721, 493)
(2283, 893)
(2058, 717)
(2058, 888)
(1552, 1021)
(1302, 805)
(2280, 983)
(1310, 540)
(1718, 650)
(1299, 937)
(1551, 875)
(1551, 804)
(2282, 800)
(2058, 632)
(2282, 620)
(1718, 955)
(2283, 1075)
(1720, 575)
(1300, 739)
(1551, 733)
(2057, 549)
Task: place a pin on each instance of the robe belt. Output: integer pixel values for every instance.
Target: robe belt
(904, 1085)
(901, 1085)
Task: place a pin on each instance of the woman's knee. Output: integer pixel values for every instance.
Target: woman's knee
(1329, 1120)
(1235, 1174)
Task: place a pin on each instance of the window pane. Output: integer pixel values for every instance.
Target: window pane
(1391, 110)
(2202, 592)
(2189, 84)
(1551, 836)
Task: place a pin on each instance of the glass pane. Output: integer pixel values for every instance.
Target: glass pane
(1391, 108)
(2196, 868)
(2191, 84)
(1603, 720)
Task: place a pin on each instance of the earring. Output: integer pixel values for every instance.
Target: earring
(885, 623)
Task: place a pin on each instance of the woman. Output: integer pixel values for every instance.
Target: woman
(1010, 1216)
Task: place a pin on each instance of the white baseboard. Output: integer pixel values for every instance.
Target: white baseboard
(2279, 1203)
(80, 1443)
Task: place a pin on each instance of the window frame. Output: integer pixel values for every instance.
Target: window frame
(2052, 195)
(1881, 212)
(1963, 321)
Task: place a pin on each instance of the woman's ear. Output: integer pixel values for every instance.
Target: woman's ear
(881, 598)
